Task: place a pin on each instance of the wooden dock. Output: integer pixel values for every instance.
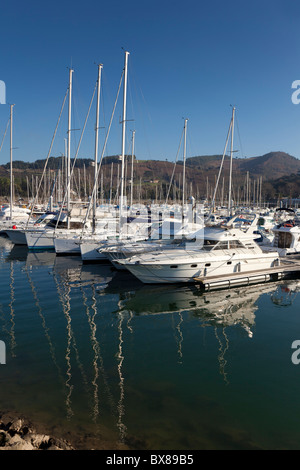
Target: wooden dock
(287, 268)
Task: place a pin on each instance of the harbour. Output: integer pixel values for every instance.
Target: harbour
(107, 362)
(149, 229)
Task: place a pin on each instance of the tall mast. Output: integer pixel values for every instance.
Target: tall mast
(111, 180)
(123, 135)
(69, 148)
(184, 158)
(100, 66)
(131, 189)
(230, 172)
(11, 168)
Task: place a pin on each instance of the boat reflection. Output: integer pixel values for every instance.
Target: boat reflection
(285, 294)
(76, 274)
(92, 322)
(221, 308)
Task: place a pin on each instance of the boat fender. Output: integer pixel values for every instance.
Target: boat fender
(14, 227)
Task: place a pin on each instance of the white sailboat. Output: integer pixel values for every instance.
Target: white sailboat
(68, 242)
(90, 244)
(165, 233)
(12, 215)
(166, 228)
(17, 234)
(88, 241)
(43, 239)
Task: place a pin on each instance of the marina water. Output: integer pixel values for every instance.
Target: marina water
(98, 358)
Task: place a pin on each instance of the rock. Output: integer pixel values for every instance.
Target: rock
(39, 441)
(17, 425)
(4, 438)
(17, 443)
(18, 434)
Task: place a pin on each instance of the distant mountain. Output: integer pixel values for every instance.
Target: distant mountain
(272, 165)
(280, 174)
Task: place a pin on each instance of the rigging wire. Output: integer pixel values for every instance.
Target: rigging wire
(74, 161)
(238, 132)
(103, 150)
(4, 133)
(47, 159)
(171, 180)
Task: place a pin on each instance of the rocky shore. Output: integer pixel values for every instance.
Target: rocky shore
(18, 434)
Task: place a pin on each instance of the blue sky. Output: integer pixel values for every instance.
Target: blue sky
(191, 59)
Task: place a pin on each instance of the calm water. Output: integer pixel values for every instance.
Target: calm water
(109, 363)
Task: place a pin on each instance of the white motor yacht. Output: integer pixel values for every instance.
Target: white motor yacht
(221, 251)
(287, 237)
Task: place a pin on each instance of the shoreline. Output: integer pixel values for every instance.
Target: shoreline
(19, 433)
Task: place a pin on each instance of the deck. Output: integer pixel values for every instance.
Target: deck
(287, 268)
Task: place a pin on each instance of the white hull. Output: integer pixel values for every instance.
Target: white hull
(67, 245)
(88, 250)
(17, 237)
(124, 251)
(287, 240)
(196, 267)
(44, 239)
(9, 224)
(40, 239)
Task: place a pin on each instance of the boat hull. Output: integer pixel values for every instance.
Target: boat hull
(40, 240)
(17, 237)
(89, 253)
(64, 246)
(188, 272)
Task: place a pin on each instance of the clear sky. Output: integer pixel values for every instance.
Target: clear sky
(189, 59)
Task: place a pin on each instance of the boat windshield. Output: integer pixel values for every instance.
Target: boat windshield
(209, 244)
(42, 220)
(63, 224)
(227, 245)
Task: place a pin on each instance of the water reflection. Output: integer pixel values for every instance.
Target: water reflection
(285, 294)
(93, 323)
(217, 308)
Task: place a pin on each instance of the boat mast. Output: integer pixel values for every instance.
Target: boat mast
(100, 66)
(11, 168)
(184, 158)
(230, 171)
(69, 148)
(123, 137)
(131, 189)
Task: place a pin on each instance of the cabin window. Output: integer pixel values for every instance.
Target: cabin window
(229, 262)
(221, 246)
(235, 244)
(285, 240)
(174, 266)
(60, 224)
(209, 244)
(207, 264)
(193, 266)
(76, 225)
